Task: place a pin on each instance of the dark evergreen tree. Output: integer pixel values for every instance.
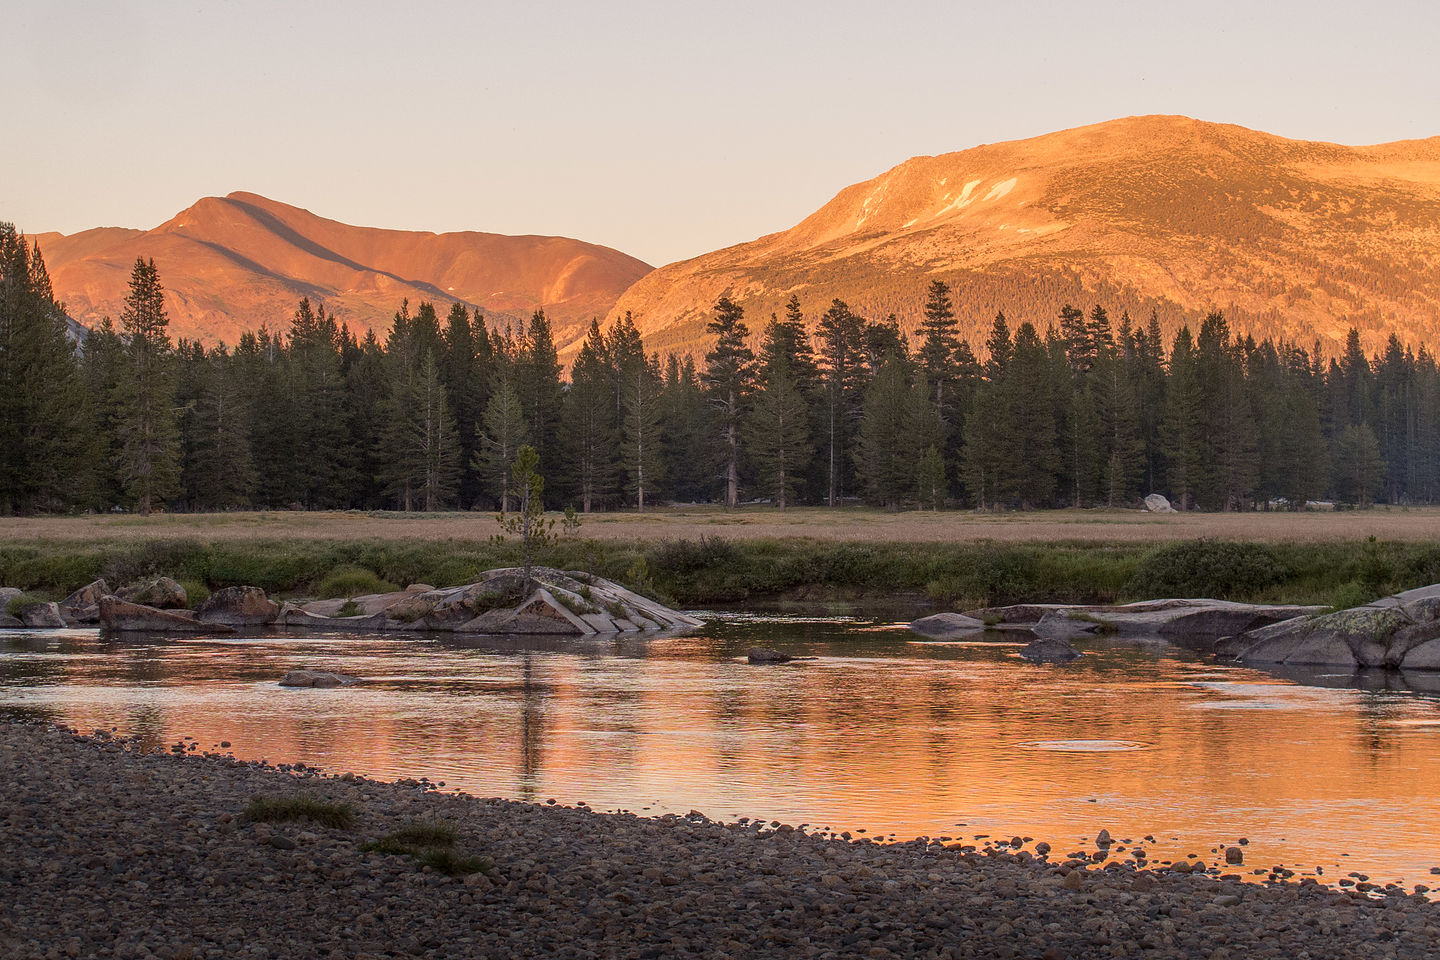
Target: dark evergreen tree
(146, 425)
(778, 431)
(729, 379)
(842, 364)
(44, 417)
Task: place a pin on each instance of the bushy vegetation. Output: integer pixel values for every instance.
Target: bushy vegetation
(713, 570)
(1206, 568)
(431, 845)
(301, 807)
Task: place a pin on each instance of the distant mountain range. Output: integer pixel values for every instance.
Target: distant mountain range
(230, 264)
(1290, 238)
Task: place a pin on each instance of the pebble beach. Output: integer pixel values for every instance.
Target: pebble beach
(112, 850)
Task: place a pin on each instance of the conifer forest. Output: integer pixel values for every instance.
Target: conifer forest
(1094, 411)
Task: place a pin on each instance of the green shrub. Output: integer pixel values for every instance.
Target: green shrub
(1352, 594)
(1222, 569)
(196, 592)
(301, 807)
(351, 581)
(423, 834)
(13, 607)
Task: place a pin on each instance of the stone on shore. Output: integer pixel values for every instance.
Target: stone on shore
(42, 616)
(238, 606)
(87, 596)
(1045, 650)
(1196, 620)
(123, 616)
(503, 603)
(9, 593)
(944, 626)
(162, 593)
(1063, 625)
(8, 622)
(317, 678)
(1396, 632)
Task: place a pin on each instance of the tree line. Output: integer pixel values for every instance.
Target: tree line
(1092, 411)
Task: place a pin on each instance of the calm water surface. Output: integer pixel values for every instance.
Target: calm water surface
(883, 732)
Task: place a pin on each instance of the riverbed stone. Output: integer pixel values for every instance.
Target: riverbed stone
(122, 615)
(764, 655)
(1379, 634)
(1049, 650)
(238, 606)
(317, 678)
(161, 593)
(943, 626)
(8, 622)
(1064, 625)
(87, 596)
(42, 616)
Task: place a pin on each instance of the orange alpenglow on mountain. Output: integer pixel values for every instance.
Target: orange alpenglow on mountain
(230, 264)
(1291, 239)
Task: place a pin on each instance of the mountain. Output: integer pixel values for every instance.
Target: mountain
(230, 264)
(1290, 238)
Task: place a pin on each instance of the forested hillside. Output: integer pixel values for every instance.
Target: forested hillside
(1094, 409)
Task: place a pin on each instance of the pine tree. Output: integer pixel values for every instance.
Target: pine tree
(842, 359)
(888, 452)
(1027, 383)
(589, 429)
(985, 461)
(44, 420)
(778, 429)
(1359, 471)
(1181, 431)
(642, 403)
(147, 430)
(684, 432)
(537, 382)
(930, 479)
(505, 432)
(729, 378)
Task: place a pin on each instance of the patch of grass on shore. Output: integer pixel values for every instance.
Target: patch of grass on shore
(959, 574)
(285, 809)
(431, 845)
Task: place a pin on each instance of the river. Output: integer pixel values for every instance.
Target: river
(884, 734)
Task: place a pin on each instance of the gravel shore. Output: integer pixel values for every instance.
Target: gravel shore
(107, 851)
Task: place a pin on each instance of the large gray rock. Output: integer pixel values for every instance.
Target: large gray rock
(1157, 503)
(1201, 619)
(1381, 634)
(87, 596)
(9, 593)
(42, 616)
(124, 616)
(944, 626)
(161, 593)
(238, 606)
(1064, 625)
(8, 622)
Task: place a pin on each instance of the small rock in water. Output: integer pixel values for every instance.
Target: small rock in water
(1049, 651)
(316, 678)
(1102, 839)
(767, 655)
(1234, 855)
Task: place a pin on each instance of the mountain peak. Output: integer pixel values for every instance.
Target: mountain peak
(233, 263)
(1291, 238)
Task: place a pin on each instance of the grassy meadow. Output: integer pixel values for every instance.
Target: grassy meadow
(703, 555)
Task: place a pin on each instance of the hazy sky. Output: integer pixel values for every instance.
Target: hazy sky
(663, 129)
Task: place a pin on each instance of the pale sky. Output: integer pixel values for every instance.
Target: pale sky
(663, 129)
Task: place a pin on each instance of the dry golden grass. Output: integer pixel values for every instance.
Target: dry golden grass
(753, 523)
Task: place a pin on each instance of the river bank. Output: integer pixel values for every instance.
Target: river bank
(115, 852)
(817, 558)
